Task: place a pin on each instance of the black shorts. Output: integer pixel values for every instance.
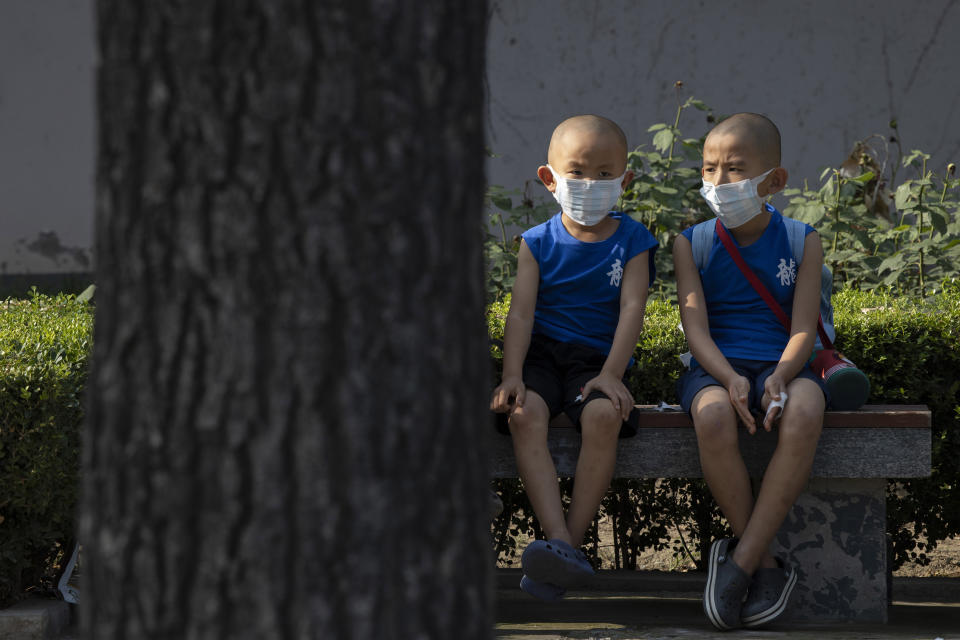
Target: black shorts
(557, 371)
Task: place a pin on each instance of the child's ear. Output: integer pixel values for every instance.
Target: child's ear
(627, 177)
(546, 177)
(774, 183)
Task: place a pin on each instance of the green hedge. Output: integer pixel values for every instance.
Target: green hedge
(44, 346)
(908, 347)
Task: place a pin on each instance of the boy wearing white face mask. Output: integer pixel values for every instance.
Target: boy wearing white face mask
(745, 360)
(575, 316)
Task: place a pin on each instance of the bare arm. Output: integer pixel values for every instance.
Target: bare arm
(696, 327)
(517, 331)
(803, 324)
(634, 287)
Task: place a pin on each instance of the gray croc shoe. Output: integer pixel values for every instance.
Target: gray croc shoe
(769, 595)
(726, 586)
(555, 562)
(543, 590)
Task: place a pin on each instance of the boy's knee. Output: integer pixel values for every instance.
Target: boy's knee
(600, 417)
(526, 421)
(716, 426)
(802, 424)
(803, 416)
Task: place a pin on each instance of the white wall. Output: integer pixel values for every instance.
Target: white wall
(827, 72)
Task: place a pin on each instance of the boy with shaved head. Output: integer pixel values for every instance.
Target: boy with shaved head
(745, 359)
(575, 316)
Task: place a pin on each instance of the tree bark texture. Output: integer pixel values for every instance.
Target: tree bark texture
(287, 425)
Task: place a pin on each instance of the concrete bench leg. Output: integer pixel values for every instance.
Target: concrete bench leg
(836, 537)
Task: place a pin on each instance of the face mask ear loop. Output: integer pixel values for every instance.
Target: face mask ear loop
(756, 183)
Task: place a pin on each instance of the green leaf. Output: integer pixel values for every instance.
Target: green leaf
(665, 189)
(87, 294)
(864, 177)
(501, 202)
(892, 278)
(814, 212)
(663, 140)
(697, 104)
(903, 195)
(939, 220)
(894, 262)
(656, 127)
(914, 155)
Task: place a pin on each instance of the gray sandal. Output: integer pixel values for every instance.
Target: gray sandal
(769, 595)
(726, 586)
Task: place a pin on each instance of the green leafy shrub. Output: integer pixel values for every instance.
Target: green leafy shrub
(906, 237)
(665, 192)
(907, 346)
(44, 347)
(502, 244)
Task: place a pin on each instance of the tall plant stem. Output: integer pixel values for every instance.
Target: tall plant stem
(923, 173)
(673, 139)
(836, 211)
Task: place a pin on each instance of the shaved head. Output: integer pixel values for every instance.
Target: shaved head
(585, 125)
(756, 130)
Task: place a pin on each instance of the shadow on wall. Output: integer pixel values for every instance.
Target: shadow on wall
(48, 245)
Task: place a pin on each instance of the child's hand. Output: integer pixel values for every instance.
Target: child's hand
(613, 388)
(739, 390)
(511, 388)
(773, 389)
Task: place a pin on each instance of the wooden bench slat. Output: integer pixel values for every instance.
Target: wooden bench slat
(878, 441)
(915, 416)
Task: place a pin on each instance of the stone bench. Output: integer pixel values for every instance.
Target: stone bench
(836, 533)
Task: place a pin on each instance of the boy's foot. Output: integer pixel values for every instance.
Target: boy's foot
(542, 590)
(726, 586)
(769, 594)
(555, 562)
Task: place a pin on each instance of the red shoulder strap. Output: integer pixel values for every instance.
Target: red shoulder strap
(761, 289)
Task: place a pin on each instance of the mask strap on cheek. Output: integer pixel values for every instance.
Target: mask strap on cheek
(760, 178)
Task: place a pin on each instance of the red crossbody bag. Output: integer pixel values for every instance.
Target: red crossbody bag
(848, 386)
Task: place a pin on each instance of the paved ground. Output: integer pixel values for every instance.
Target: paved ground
(670, 609)
(625, 606)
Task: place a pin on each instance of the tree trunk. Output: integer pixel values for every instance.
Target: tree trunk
(286, 433)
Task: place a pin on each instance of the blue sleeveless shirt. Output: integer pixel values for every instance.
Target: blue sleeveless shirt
(741, 323)
(578, 299)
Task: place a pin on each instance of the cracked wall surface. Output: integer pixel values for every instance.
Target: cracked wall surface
(828, 73)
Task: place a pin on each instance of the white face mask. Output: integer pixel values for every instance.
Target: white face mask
(735, 203)
(586, 202)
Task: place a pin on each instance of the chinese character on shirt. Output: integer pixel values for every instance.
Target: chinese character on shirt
(615, 273)
(787, 272)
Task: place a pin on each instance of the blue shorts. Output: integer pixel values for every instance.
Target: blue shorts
(756, 371)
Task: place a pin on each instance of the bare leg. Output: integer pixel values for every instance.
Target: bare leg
(600, 429)
(528, 426)
(787, 473)
(715, 422)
